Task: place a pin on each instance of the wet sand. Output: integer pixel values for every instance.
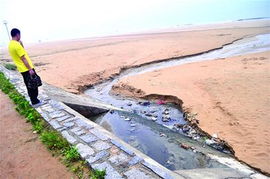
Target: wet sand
(22, 155)
(83, 62)
(231, 97)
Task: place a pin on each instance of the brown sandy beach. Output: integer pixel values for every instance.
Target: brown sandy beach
(231, 96)
(88, 61)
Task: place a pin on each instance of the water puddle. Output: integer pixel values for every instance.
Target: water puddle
(150, 127)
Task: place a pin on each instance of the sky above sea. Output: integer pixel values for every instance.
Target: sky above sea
(50, 20)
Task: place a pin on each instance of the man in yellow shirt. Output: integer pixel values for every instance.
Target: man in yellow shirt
(23, 63)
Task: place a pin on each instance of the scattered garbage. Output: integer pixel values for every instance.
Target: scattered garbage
(184, 146)
(209, 142)
(162, 135)
(166, 111)
(132, 125)
(127, 119)
(215, 136)
(146, 103)
(160, 102)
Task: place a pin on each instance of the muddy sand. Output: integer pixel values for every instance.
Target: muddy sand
(230, 96)
(74, 64)
(22, 155)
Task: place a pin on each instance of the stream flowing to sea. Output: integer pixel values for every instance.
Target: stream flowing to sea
(150, 127)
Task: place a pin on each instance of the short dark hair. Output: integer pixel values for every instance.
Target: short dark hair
(14, 32)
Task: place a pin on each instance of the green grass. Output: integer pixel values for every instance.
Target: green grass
(54, 141)
(59, 146)
(72, 154)
(10, 66)
(97, 174)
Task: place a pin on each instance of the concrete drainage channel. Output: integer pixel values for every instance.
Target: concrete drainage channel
(103, 150)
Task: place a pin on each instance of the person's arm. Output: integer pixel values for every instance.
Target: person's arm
(31, 71)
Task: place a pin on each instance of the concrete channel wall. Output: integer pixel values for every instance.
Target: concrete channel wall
(102, 149)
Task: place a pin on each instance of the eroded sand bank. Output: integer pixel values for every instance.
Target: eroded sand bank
(231, 97)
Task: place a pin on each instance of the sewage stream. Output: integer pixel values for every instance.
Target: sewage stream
(149, 126)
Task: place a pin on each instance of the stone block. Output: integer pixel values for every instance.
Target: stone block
(69, 138)
(57, 114)
(99, 134)
(84, 150)
(159, 171)
(122, 147)
(88, 138)
(60, 119)
(78, 131)
(100, 145)
(97, 157)
(111, 173)
(81, 123)
(69, 120)
(135, 160)
(119, 159)
(135, 173)
(55, 124)
(68, 124)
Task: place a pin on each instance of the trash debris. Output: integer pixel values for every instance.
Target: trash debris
(165, 119)
(160, 102)
(215, 136)
(132, 125)
(146, 103)
(209, 142)
(178, 126)
(154, 118)
(185, 128)
(166, 111)
(162, 135)
(127, 119)
(184, 146)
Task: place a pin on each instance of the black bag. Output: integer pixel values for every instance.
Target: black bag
(34, 81)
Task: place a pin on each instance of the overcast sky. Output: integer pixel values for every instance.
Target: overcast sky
(47, 20)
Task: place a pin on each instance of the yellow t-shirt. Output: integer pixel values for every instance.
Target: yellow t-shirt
(16, 51)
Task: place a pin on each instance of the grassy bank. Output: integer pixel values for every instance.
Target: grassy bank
(55, 143)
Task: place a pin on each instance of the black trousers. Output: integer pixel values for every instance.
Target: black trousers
(32, 93)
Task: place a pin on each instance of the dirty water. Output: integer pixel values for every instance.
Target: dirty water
(150, 127)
